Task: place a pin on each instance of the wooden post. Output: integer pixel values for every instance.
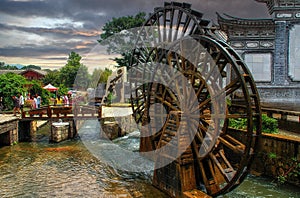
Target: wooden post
(75, 109)
(177, 174)
(23, 113)
(72, 129)
(33, 129)
(100, 112)
(49, 111)
(146, 143)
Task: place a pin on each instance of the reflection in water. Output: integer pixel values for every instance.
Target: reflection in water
(67, 169)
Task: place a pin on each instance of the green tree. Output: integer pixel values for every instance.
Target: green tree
(99, 76)
(52, 77)
(3, 66)
(69, 71)
(37, 88)
(62, 90)
(95, 77)
(11, 85)
(116, 25)
(104, 75)
(48, 70)
(32, 67)
(82, 78)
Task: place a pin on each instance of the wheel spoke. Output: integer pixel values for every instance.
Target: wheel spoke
(223, 165)
(209, 83)
(233, 144)
(207, 172)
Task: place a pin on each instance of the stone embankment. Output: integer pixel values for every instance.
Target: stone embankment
(8, 129)
(116, 122)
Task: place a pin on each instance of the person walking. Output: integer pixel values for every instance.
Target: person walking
(16, 105)
(38, 101)
(58, 100)
(66, 100)
(35, 102)
(21, 100)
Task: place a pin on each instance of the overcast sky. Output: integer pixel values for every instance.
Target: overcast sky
(44, 32)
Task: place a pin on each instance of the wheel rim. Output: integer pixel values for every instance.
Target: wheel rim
(222, 160)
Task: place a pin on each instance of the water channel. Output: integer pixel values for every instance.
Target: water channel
(69, 169)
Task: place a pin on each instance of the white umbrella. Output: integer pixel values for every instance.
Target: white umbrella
(50, 87)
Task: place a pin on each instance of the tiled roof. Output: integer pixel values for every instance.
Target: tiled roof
(42, 72)
(230, 20)
(22, 71)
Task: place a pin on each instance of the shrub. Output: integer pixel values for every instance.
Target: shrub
(269, 125)
(239, 123)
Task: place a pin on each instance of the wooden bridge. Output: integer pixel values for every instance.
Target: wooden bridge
(62, 112)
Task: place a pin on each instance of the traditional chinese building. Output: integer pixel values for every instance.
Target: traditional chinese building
(271, 49)
(30, 74)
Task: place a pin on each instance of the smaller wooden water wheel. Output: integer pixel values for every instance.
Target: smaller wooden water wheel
(188, 86)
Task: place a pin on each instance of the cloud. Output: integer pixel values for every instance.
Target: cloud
(56, 48)
(62, 32)
(36, 28)
(98, 11)
(95, 13)
(34, 8)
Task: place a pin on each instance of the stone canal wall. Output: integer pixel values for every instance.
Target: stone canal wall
(114, 127)
(116, 122)
(278, 155)
(8, 130)
(286, 97)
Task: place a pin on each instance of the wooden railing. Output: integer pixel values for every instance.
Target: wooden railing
(48, 112)
(283, 113)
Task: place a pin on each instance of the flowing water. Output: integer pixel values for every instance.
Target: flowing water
(69, 169)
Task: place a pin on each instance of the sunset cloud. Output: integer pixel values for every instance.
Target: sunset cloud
(37, 31)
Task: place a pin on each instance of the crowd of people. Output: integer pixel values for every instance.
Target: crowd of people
(34, 101)
(62, 100)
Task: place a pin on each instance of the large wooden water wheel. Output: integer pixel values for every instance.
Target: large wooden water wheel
(188, 85)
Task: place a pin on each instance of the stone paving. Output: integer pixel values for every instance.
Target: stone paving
(7, 117)
(116, 111)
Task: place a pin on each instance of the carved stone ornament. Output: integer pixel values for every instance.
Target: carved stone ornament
(237, 44)
(266, 44)
(284, 15)
(252, 44)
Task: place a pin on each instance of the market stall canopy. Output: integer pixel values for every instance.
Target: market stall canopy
(50, 87)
